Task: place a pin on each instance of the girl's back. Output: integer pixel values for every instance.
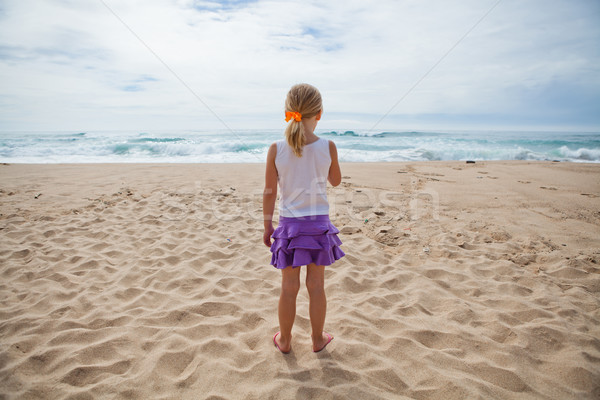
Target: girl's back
(303, 180)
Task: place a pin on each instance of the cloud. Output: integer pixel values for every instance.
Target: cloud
(74, 65)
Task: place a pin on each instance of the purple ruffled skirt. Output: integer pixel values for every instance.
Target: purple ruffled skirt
(305, 240)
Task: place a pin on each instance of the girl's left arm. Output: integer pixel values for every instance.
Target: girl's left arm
(270, 194)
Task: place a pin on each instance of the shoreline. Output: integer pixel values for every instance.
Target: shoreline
(341, 162)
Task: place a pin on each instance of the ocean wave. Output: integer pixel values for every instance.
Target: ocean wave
(157, 140)
(369, 134)
(345, 133)
(181, 147)
(581, 154)
(404, 134)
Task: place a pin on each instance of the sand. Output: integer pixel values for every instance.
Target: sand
(147, 281)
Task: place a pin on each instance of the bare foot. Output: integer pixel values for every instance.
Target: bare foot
(322, 342)
(282, 346)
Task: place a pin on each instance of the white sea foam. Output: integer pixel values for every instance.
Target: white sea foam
(251, 146)
(581, 154)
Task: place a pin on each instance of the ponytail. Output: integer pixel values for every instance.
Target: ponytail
(294, 134)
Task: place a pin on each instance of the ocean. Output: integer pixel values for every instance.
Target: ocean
(250, 146)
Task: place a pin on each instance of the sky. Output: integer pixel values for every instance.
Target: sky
(400, 64)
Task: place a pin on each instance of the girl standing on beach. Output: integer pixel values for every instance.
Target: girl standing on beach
(302, 164)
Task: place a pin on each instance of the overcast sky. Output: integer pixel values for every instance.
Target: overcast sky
(77, 65)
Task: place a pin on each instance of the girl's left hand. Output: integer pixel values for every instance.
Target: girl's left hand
(267, 235)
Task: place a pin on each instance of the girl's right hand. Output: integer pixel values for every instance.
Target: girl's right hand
(267, 235)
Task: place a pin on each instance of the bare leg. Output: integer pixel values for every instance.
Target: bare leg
(290, 284)
(315, 283)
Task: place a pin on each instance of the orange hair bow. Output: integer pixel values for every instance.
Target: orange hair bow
(293, 114)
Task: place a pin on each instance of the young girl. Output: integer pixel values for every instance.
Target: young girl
(302, 164)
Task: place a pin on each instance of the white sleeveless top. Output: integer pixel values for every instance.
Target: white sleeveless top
(303, 180)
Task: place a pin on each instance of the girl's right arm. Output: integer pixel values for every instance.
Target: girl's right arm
(335, 175)
(269, 194)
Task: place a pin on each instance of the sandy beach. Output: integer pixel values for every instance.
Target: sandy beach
(150, 281)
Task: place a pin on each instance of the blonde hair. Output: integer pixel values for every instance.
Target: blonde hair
(306, 100)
